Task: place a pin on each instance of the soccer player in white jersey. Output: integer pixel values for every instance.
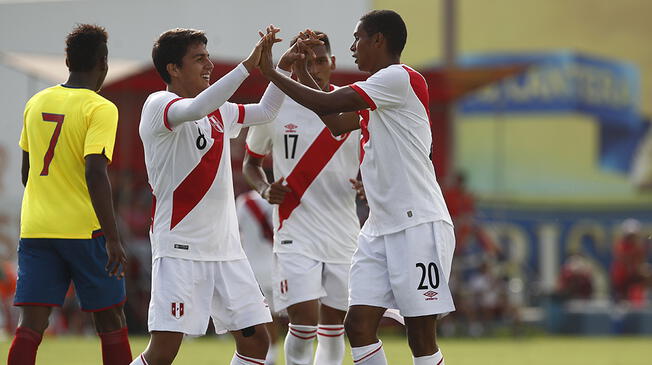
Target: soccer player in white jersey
(314, 217)
(405, 248)
(199, 269)
(257, 237)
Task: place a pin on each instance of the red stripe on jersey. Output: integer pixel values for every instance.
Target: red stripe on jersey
(252, 153)
(306, 170)
(165, 113)
(241, 113)
(420, 87)
(193, 188)
(364, 128)
(258, 213)
(364, 95)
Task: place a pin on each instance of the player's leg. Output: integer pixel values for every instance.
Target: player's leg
(330, 331)
(239, 307)
(298, 287)
(182, 292)
(42, 283)
(419, 261)
(99, 294)
(370, 295)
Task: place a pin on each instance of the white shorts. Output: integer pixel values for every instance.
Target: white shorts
(185, 293)
(299, 278)
(408, 270)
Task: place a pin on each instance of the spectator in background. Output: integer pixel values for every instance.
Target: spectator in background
(629, 270)
(575, 278)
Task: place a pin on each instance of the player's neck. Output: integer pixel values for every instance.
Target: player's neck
(385, 61)
(85, 80)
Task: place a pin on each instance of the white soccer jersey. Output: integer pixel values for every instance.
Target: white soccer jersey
(189, 171)
(256, 232)
(318, 218)
(399, 178)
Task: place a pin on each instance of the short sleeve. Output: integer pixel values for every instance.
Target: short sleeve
(24, 142)
(385, 89)
(259, 140)
(100, 136)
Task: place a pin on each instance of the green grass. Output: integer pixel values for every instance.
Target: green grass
(490, 351)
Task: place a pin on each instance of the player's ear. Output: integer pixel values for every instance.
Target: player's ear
(67, 62)
(332, 63)
(378, 40)
(172, 69)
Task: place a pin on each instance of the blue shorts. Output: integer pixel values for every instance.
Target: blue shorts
(46, 266)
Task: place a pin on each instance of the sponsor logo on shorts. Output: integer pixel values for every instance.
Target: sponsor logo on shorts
(181, 247)
(286, 242)
(177, 310)
(284, 286)
(431, 295)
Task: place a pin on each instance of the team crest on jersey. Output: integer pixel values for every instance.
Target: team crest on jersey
(216, 123)
(177, 310)
(291, 128)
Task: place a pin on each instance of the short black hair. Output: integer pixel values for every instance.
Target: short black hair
(390, 24)
(324, 38)
(171, 46)
(83, 47)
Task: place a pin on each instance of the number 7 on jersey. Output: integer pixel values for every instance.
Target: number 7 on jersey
(49, 155)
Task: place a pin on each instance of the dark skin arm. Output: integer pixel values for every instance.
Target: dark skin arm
(322, 103)
(24, 170)
(252, 169)
(99, 189)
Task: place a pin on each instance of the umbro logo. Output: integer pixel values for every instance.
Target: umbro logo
(291, 128)
(430, 295)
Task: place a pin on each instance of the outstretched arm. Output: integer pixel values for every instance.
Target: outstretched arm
(217, 94)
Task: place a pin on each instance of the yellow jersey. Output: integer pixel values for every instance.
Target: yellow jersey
(61, 126)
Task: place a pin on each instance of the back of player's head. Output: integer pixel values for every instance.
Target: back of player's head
(171, 46)
(84, 47)
(390, 25)
(324, 38)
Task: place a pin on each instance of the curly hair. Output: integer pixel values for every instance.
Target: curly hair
(83, 47)
(171, 46)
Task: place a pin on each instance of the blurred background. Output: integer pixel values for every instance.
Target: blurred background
(540, 114)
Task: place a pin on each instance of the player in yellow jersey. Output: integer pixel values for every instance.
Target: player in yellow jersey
(68, 229)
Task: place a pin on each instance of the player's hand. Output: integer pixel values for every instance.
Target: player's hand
(117, 261)
(359, 189)
(275, 192)
(266, 43)
(266, 40)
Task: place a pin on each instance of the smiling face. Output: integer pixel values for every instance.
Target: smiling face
(321, 67)
(193, 76)
(362, 48)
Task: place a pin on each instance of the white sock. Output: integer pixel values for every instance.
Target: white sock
(330, 344)
(435, 359)
(139, 360)
(369, 355)
(244, 360)
(298, 344)
(272, 354)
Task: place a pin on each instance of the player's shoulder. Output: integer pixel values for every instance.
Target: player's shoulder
(159, 98)
(45, 93)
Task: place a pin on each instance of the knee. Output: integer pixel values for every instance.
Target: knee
(109, 320)
(422, 343)
(358, 329)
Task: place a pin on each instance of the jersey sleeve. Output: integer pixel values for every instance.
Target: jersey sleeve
(100, 136)
(23, 142)
(233, 117)
(259, 140)
(385, 89)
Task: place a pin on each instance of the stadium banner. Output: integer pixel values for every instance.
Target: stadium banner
(562, 82)
(535, 242)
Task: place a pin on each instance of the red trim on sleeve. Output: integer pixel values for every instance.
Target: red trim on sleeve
(241, 113)
(364, 95)
(165, 113)
(252, 153)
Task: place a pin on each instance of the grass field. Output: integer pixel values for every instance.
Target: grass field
(492, 351)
